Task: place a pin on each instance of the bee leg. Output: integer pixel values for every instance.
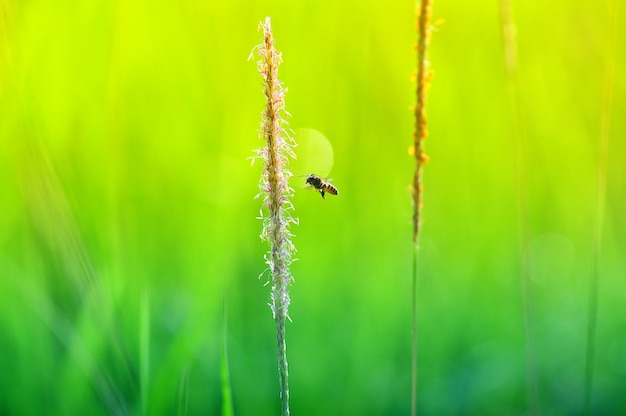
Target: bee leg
(322, 192)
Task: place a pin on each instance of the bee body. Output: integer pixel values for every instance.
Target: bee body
(321, 185)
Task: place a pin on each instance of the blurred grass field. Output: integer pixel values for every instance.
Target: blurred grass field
(127, 218)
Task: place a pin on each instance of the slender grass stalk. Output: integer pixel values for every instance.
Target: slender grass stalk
(423, 80)
(603, 153)
(510, 65)
(276, 197)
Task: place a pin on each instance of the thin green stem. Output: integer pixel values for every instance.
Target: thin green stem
(283, 370)
(414, 335)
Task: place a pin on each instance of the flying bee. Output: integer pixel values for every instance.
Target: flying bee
(321, 185)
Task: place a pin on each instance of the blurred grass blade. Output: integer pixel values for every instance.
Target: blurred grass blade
(144, 350)
(227, 394)
(517, 136)
(601, 178)
(183, 392)
(63, 329)
(54, 222)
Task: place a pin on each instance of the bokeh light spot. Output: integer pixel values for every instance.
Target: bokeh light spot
(314, 152)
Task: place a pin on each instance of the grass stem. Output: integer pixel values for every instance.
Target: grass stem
(277, 193)
(423, 79)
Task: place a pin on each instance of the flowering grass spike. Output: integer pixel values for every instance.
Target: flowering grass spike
(423, 79)
(424, 74)
(276, 196)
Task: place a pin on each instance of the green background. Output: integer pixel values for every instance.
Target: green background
(129, 246)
